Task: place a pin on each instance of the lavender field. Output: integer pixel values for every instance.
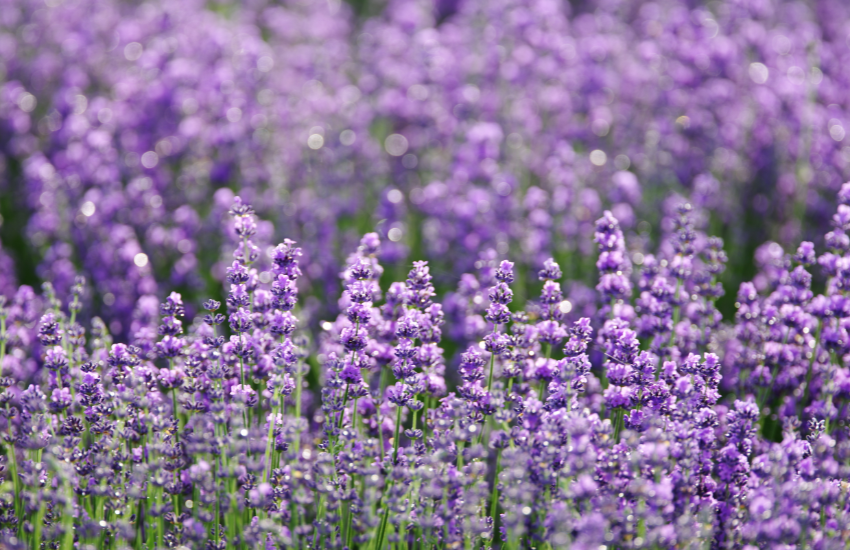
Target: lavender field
(424, 274)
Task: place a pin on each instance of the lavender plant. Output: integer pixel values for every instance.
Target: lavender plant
(567, 275)
(235, 431)
(129, 133)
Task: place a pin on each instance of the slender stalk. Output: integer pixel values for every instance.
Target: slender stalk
(344, 403)
(379, 540)
(542, 391)
(67, 519)
(39, 524)
(2, 337)
(490, 376)
(489, 389)
(298, 382)
(396, 436)
(160, 533)
(174, 404)
(672, 330)
(382, 527)
(16, 483)
(354, 418)
(494, 495)
(346, 531)
(619, 413)
(272, 420)
(807, 391)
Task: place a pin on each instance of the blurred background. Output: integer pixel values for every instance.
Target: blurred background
(461, 131)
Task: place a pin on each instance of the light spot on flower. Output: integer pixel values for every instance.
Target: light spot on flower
(27, 102)
(265, 63)
(234, 114)
(598, 157)
(759, 72)
(409, 161)
(80, 104)
(600, 127)
(796, 75)
(396, 145)
(350, 94)
(394, 196)
(347, 137)
(622, 162)
(315, 141)
(164, 147)
(140, 259)
(417, 92)
(133, 51)
(150, 159)
(88, 209)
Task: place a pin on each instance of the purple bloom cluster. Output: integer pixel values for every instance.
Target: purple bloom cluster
(651, 424)
(567, 275)
(127, 134)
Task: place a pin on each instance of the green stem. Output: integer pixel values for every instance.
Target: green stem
(542, 392)
(494, 495)
(346, 532)
(298, 383)
(379, 541)
(490, 376)
(396, 436)
(160, 532)
(382, 527)
(354, 417)
(618, 423)
(66, 346)
(39, 523)
(673, 329)
(174, 404)
(272, 420)
(807, 391)
(14, 474)
(489, 389)
(67, 519)
(241, 364)
(344, 403)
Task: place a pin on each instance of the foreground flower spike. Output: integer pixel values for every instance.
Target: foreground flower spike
(613, 264)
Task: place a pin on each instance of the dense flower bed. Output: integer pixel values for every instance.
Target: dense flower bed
(187, 437)
(550, 275)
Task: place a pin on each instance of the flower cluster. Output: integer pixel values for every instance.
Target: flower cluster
(235, 431)
(127, 133)
(567, 275)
